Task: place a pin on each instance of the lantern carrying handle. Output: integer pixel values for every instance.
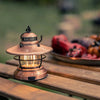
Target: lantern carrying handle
(39, 41)
(41, 37)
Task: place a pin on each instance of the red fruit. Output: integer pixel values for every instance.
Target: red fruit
(59, 37)
(94, 56)
(75, 52)
(62, 37)
(89, 55)
(98, 58)
(62, 46)
(59, 45)
(84, 55)
(79, 46)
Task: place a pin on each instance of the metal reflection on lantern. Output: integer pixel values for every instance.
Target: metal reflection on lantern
(30, 54)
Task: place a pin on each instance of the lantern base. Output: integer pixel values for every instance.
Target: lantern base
(30, 75)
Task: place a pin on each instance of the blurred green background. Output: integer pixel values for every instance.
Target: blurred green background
(41, 15)
(14, 18)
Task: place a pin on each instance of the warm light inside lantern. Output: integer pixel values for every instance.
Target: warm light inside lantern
(30, 60)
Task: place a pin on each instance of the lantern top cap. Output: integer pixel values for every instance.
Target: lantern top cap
(29, 45)
(28, 33)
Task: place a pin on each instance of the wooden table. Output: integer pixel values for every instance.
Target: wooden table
(75, 80)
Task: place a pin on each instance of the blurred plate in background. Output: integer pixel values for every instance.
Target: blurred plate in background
(74, 60)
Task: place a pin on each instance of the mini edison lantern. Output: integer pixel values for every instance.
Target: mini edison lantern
(30, 54)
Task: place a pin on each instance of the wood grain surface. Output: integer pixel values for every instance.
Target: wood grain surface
(70, 72)
(18, 91)
(66, 85)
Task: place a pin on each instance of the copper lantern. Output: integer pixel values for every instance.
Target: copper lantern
(30, 54)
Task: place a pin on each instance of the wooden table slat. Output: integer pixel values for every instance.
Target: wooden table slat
(19, 91)
(66, 85)
(67, 71)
